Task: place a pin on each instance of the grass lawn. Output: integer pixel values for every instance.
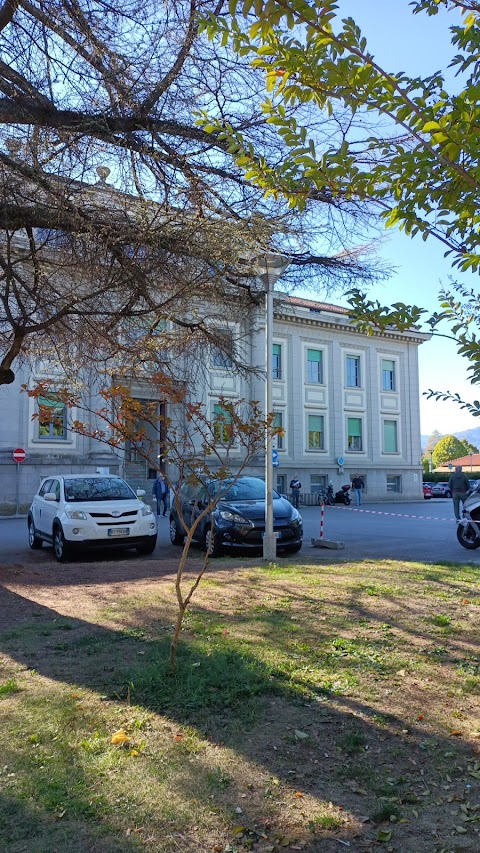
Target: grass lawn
(315, 707)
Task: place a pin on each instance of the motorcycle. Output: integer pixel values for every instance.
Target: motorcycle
(327, 498)
(330, 497)
(468, 528)
(342, 496)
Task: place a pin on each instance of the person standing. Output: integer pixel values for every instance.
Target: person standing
(357, 486)
(160, 491)
(459, 485)
(295, 486)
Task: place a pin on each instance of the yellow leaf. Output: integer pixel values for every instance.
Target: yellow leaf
(120, 737)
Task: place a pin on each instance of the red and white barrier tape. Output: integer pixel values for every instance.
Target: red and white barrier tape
(396, 514)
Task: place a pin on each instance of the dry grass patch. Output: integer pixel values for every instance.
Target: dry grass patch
(314, 707)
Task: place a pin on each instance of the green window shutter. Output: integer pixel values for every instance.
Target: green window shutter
(278, 424)
(388, 374)
(315, 432)
(276, 361)
(390, 436)
(221, 423)
(314, 366)
(355, 426)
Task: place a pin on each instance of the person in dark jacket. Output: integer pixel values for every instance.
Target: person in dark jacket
(459, 485)
(160, 491)
(295, 486)
(357, 486)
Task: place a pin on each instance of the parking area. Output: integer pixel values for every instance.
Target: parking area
(419, 531)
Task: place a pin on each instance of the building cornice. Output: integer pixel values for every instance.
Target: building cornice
(280, 314)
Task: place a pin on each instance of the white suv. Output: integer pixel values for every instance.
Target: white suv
(78, 510)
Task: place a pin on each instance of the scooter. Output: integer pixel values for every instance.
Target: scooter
(328, 497)
(342, 496)
(468, 528)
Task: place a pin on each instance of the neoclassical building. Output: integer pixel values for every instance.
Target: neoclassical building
(347, 402)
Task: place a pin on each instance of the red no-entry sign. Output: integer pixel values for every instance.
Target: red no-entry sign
(19, 454)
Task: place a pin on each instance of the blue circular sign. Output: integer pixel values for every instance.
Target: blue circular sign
(340, 460)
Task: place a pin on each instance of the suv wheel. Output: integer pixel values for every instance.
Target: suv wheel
(60, 547)
(33, 540)
(147, 547)
(176, 535)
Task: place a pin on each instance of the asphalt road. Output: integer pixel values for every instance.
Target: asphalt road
(423, 531)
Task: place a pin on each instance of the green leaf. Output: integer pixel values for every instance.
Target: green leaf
(384, 835)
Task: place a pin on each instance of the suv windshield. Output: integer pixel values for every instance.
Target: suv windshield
(97, 489)
(245, 489)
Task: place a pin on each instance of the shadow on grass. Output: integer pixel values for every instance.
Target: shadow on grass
(28, 827)
(292, 731)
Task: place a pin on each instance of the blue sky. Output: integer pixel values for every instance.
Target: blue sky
(419, 45)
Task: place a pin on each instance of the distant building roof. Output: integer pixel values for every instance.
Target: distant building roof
(471, 460)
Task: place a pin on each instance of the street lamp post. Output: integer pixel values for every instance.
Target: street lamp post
(270, 267)
(431, 460)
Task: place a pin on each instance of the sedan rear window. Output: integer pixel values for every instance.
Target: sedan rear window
(97, 489)
(245, 489)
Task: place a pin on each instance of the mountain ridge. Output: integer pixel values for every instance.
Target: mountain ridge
(471, 435)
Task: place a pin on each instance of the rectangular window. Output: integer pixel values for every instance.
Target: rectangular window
(388, 375)
(354, 434)
(315, 432)
(318, 483)
(52, 419)
(314, 366)
(278, 424)
(353, 371)
(222, 424)
(222, 356)
(277, 361)
(394, 484)
(390, 441)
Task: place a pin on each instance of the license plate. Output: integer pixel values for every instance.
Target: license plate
(118, 531)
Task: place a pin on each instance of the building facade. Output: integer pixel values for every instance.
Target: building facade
(346, 403)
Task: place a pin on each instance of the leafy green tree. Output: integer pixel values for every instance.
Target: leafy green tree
(418, 158)
(420, 163)
(447, 448)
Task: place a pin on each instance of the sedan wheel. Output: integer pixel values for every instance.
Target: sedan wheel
(212, 544)
(293, 549)
(176, 535)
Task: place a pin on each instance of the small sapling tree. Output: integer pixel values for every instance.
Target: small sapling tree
(194, 449)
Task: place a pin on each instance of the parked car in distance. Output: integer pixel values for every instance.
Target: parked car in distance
(74, 511)
(427, 491)
(236, 520)
(441, 490)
